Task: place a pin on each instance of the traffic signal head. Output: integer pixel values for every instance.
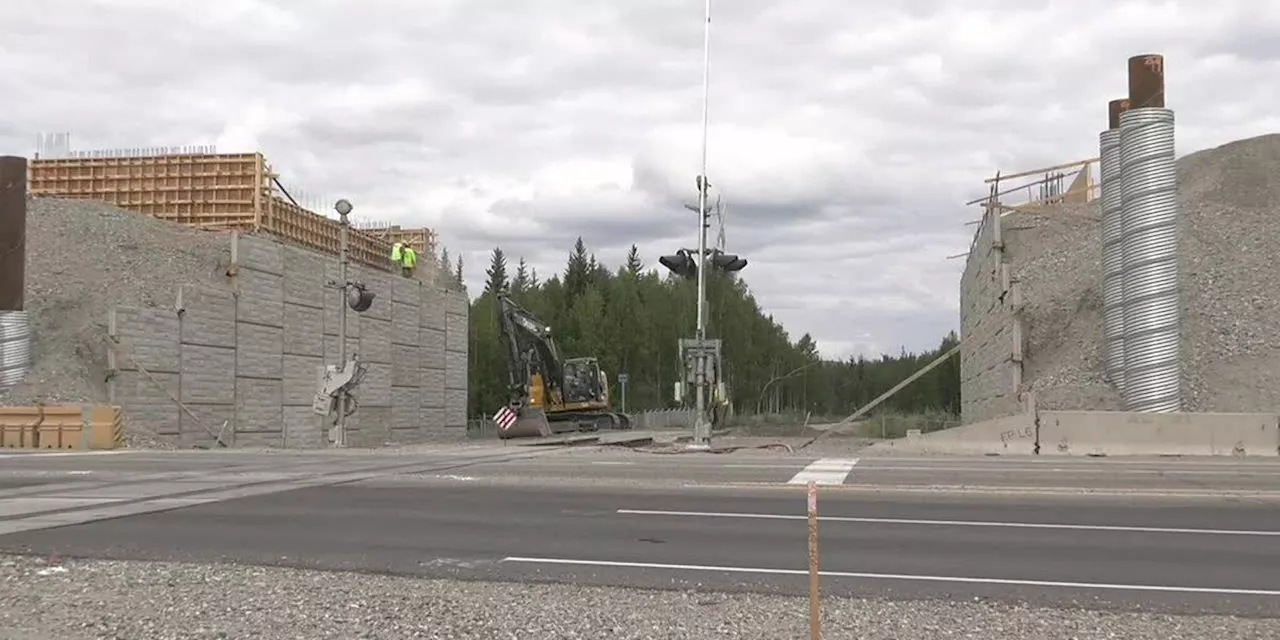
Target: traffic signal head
(681, 263)
(728, 261)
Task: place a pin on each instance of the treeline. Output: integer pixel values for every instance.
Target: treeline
(631, 319)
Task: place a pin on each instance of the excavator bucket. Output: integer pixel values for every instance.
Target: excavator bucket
(531, 423)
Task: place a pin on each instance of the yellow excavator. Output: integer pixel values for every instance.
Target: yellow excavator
(547, 394)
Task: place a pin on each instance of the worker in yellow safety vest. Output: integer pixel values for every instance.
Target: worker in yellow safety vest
(408, 260)
(397, 252)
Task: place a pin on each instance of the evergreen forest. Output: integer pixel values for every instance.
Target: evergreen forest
(632, 317)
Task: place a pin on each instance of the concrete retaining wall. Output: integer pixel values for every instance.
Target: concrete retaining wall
(1117, 433)
(247, 354)
(1104, 433)
(991, 355)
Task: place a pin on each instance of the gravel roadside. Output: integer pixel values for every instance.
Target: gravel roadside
(110, 600)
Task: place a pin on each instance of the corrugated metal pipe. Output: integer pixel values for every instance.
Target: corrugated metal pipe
(15, 347)
(1112, 259)
(1152, 309)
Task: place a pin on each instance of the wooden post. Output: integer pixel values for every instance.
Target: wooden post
(815, 612)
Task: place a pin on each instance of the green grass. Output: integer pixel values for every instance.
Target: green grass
(887, 424)
(892, 424)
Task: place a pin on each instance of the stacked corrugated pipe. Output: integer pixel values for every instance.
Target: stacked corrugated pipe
(1152, 378)
(15, 347)
(1112, 249)
(15, 326)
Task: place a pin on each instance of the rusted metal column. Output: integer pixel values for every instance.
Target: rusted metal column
(1146, 81)
(1114, 109)
(13, 232)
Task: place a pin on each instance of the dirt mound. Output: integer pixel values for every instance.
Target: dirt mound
(1231, 330)
(83, 258)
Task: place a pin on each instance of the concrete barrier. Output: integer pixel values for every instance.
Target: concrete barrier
(1115, 433)
(61, 427)
(1010, 435)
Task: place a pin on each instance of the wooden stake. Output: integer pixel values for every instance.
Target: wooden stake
(815, 613)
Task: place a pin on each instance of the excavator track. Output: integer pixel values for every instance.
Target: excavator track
(592, 421)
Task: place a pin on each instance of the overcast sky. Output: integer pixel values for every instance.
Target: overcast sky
(845, 134)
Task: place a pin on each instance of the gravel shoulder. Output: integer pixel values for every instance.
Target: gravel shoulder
(97, 600)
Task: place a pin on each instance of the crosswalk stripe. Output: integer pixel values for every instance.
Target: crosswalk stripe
(825, 471)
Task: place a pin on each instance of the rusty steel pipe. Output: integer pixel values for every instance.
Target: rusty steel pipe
(13, 232)
(1146, 81)
(1114, 109)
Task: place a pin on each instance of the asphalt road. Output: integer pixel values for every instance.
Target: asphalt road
(689, 522)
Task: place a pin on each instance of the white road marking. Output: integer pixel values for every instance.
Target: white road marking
(612, 463)
(899, 576)
(825, 471)
(1065, 492)
(1064, 470)
(952, 523)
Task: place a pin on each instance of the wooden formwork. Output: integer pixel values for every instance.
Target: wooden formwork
(422, 240)
(216, 191)
(1047, 189)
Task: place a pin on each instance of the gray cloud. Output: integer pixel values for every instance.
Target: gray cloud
(845, 136)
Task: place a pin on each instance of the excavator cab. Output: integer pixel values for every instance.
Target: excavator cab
(584, 385)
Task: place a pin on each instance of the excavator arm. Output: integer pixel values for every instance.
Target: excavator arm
(529, 348)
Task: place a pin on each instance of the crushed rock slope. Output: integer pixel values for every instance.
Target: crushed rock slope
(1230, 199)
(83, 258)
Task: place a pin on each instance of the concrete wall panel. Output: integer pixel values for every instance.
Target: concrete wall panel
(248, 354)
(208, 316)
(990, 368)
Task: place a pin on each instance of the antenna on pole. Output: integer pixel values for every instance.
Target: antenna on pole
(720, 210)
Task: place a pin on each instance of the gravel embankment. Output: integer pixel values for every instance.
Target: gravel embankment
(100, 600)
(1230, 198)
(83, 258)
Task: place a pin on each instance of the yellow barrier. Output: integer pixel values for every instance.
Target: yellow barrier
(61, 427)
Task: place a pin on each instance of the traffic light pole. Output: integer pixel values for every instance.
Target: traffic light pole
(339, 437)
(701, 428)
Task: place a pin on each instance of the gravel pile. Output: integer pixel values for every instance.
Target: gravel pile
(1231, 331)
(84, 257)
(1056, 256)
(99, 600)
